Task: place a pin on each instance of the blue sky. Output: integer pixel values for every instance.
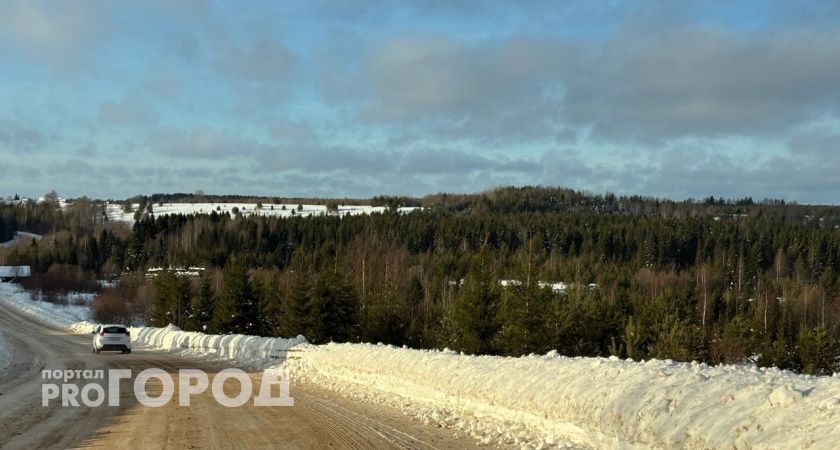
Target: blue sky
(358, 98)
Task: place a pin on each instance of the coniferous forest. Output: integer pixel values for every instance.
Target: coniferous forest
(713, 280)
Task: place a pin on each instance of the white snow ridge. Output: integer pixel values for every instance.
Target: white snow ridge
(546, 401)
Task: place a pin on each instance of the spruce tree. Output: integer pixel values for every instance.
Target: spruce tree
(269, 293)
(237, 308)
(203, 304)
(334, 310)
(296, 307)
(473, 316)
(172, 299)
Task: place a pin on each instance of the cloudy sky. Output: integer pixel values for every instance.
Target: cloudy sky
(362, 97)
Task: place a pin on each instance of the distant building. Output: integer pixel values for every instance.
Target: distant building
(12, 273)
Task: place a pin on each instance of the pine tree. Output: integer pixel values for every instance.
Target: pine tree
(521, 317)
(632, 339)
(818, 351)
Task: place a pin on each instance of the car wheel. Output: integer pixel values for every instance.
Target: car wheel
(128, 351)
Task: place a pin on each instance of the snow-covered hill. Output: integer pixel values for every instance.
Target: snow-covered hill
(21, 237)
(117, 212)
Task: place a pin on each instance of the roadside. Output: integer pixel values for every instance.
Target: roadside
(542, 401)
(6, 357)
(319, 419)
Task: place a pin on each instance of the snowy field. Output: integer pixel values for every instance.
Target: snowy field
(116, 212)
(21, 236)
(537, 401)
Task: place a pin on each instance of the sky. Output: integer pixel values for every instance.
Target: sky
(354, 98)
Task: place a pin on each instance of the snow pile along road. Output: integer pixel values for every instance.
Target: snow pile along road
(247, 351)
(589, 402)
(250, 351)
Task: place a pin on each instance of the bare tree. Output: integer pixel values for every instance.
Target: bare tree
(703, 281)
(51, 197)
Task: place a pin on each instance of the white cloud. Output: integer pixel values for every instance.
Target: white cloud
(57, 33)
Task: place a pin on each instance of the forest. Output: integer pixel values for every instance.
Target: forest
(712, 280)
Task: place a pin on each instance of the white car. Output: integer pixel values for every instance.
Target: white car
(111, 337)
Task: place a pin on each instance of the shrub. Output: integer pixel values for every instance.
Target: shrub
(59, 280)
(734, 344)
(110, 307)
(818, 349)
(674, 340)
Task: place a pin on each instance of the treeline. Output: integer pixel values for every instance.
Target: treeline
(81, 216)
(201, 197)
(558, 199)
(760, 284)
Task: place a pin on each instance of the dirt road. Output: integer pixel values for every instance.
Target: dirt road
(317, 420)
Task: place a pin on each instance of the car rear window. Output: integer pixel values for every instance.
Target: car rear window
(114, 330)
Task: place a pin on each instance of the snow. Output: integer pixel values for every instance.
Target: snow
(248, 351)
(15, 271)
(558, 287)
(115, 211)
(535, 401)
(179, 271)
(21, 236)
(79, 298)
(5, 355)
(59, 316)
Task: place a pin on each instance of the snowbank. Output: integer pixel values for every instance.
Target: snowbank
(59, 316)
(250, 351)
(247, 351)
(590, 402)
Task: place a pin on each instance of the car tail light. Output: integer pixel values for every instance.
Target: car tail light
(102, 333)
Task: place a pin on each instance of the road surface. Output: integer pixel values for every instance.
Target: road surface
(318, 419)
